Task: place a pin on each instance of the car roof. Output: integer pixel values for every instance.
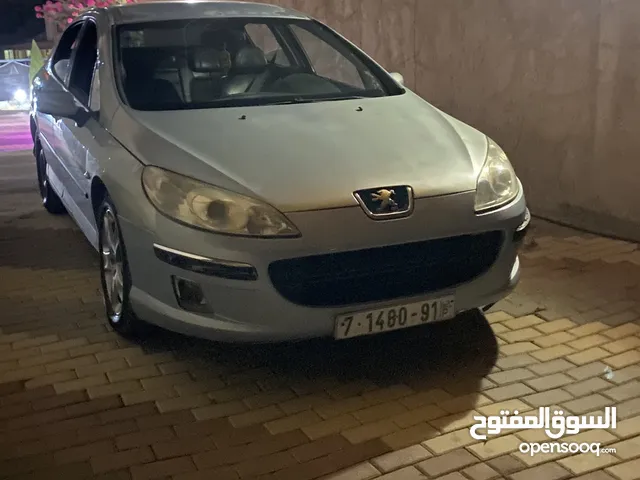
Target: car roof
(179, 10)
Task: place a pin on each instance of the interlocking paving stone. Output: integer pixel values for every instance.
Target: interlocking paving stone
(480, 471)
(77, 401)
(401, 458)
(446, 463)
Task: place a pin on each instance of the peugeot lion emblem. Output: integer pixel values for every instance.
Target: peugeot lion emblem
(386, 202)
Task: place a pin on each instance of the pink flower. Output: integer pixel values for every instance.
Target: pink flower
(91, 3)
(38, 8)
(39, 15)
(69, 20)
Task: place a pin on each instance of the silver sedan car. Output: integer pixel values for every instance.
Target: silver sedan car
(248, 174)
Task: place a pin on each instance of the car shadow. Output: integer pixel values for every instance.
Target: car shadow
(453, 356)
(463, 346)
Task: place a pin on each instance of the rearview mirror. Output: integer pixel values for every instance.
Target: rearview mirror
(52, 99)
(399, 79)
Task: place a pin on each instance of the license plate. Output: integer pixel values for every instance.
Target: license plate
(370, 322)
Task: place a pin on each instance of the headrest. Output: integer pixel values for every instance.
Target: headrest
(205, 60)
(250, 58)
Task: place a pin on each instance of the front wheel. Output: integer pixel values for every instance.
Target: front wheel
(50, 199)
(114, 272)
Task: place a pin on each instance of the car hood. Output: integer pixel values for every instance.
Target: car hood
(314, 155)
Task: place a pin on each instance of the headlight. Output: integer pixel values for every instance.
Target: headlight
(497, 182)
(205, 206)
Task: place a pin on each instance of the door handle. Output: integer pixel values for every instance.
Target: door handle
(87, 175)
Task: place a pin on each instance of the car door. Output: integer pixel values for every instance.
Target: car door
(49, 127)
(84, 142)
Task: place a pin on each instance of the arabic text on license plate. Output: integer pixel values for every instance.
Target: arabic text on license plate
(370, 322)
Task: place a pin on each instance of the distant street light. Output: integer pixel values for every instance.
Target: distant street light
(20, 96)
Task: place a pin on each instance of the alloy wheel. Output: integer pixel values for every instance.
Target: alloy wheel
(112, 265)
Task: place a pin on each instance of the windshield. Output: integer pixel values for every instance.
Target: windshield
(206, 63)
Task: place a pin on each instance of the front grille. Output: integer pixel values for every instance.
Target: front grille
(385, 273)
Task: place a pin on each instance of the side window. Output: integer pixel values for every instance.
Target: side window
(327, 61)
(263, 38)
(61, 59)
(84, 62)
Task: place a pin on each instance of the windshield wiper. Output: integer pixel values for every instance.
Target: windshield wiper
(292, 101)
(298, 100)
(335, 99)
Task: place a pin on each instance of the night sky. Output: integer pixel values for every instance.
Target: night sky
(18, 22)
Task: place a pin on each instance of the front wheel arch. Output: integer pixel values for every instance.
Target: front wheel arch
(98, 193)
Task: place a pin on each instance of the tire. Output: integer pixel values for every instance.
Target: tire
(50, 199)
(115, 276)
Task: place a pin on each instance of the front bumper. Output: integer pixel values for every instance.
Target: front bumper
(253, 310)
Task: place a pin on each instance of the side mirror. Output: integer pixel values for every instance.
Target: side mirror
(399, 79)
(52, 99)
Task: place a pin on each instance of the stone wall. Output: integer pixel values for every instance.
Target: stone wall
(555, 82)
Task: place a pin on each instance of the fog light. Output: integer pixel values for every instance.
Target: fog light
(189, 295)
